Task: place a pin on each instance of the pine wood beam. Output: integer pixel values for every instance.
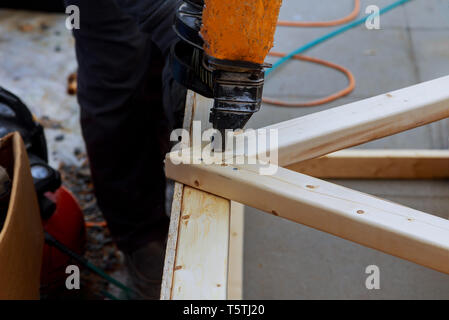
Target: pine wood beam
(394, 229)
(378, 164)
(353, 124)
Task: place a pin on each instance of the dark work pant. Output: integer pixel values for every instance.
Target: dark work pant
(120, 90)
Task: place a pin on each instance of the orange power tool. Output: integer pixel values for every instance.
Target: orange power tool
(221, 53)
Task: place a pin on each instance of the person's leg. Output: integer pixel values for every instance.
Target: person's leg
(120, 94)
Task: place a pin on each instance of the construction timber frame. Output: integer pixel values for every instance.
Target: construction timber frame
(205, 244)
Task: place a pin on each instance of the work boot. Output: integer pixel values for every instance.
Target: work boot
(145, 267)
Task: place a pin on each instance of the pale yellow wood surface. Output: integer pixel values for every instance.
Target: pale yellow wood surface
(172, 240)
(202, 252)
(339, 128)
(236, 254)
(196, 263)
(394, 229)
(378, 164)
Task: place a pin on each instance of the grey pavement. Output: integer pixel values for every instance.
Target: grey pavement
(284, 260)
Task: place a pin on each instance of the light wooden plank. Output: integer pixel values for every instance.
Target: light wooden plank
(172, 239)
(202, 253)
(196, 261)
(201, 110)
(394, 229)
(236, 254)
(378, 164)
(338, 128)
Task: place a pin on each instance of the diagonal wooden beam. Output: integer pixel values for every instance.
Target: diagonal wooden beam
(331, 130)
(369, 221)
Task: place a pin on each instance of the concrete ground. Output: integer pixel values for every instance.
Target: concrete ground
(284, 260)
(36, 57)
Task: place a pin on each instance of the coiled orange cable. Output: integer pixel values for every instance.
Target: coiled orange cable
(99, 224)
(311, 24)
(321, 101)
(349, 75)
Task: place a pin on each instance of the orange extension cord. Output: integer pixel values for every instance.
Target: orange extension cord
(345, 71)
(317, 102)
(92, 224)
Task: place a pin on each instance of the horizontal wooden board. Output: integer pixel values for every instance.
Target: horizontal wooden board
(378, 164)
(400, 231)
